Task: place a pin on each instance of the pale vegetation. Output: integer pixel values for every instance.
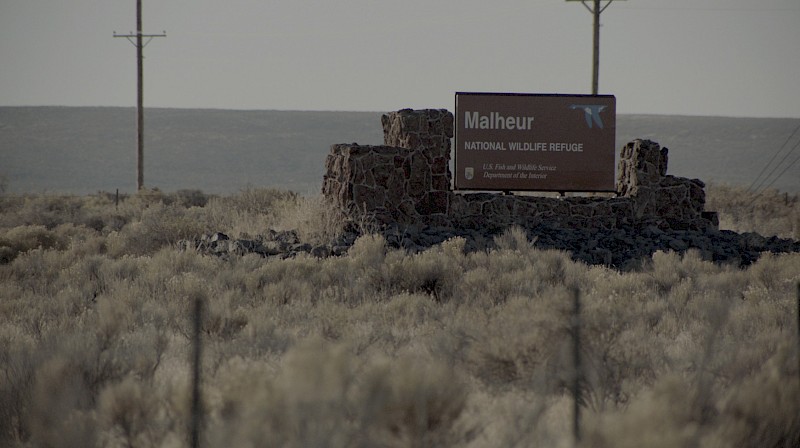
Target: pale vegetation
(769, 212)
(379, 348)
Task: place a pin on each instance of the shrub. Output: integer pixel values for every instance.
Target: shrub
(159, 226)
(21, 239)
(17, 366)
(409, 310)
(260, 200)
(128, 414)
(428, 272)
(59, 414)
(250, 212)
(379, 347)
(763, 410)
(316, 220)
(417, 402)
(514, 239)
(322, 396)
(191, 198)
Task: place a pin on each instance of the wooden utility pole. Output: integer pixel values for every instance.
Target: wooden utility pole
(595, 10)
(136, 40)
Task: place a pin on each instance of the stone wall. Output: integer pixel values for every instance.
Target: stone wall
(642, 176)
(407, 182)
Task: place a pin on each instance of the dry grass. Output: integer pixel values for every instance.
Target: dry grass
(769, 213)
(376, 348)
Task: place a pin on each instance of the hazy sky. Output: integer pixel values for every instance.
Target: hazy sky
(696, 57)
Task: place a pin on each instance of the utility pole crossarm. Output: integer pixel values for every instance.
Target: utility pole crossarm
(131, 35)
(596, 10)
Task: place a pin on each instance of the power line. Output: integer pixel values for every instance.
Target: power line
(785, 169)
(773, 158)
(690, 8)
(778, 166)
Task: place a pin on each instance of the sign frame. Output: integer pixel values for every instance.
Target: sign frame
(550, 142)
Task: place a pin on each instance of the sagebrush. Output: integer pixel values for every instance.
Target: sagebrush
(379, 347)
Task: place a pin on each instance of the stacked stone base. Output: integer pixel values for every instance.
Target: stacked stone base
(407, 182)
(388, 184)
(486, 210)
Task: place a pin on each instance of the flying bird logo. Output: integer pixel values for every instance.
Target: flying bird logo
(592, 113)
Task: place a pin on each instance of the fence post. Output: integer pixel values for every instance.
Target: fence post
(196, 422)
(576, 359)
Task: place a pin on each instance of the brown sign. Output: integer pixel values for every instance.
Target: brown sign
(534, 142)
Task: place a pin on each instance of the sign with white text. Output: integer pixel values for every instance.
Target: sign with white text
(519, 142)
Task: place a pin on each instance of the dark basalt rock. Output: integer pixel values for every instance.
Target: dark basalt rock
(619, 248)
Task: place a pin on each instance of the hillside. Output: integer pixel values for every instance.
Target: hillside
(88, 149)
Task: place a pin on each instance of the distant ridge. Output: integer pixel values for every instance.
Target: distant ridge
(88, 149)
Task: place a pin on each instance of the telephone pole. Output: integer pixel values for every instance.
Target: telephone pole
(596, 10)
(136, 40)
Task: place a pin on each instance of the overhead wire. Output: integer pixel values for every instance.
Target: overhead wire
(775, 179)
(776, 167)
(786, 168)
(772, 159)
(711, 9)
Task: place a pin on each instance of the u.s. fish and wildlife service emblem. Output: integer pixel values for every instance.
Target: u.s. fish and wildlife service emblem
(469, 172)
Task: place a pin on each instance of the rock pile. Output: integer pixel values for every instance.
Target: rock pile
(274, 244)
(619, 248)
